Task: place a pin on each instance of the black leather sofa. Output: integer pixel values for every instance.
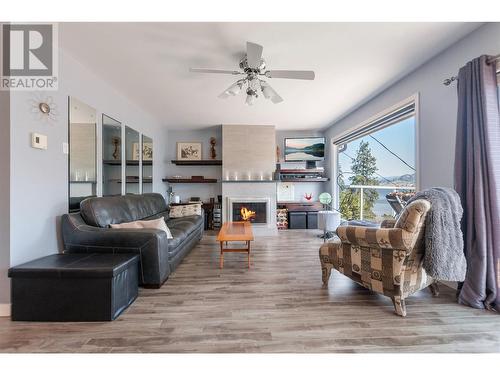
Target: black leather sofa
(89, 232)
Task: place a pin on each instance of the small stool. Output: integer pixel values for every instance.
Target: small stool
(328, 221)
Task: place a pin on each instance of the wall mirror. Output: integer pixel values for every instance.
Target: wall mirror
(147, 164)
(133, 156)
(82, 174)
(111, 156)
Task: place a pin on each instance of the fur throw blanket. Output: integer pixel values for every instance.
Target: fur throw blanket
(444, 257)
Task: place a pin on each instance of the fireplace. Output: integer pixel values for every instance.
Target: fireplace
(254, 212)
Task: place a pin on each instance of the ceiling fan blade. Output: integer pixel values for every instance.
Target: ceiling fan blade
(220, 71)
(254, 54)
(270, 93)
(224, 95)
(291, 74)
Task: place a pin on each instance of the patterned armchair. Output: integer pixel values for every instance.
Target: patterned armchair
(386, 260)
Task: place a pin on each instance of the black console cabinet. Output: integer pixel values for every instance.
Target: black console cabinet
(297, 220)
(302, 220)
(312, 220)
(302, 215)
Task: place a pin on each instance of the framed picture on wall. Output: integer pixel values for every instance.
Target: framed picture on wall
(147, 153)
(189, 150)
(135, 151)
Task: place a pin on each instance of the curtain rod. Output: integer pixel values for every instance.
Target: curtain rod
(491, 60)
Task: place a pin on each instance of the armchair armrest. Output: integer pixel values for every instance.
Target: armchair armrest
(384, 238)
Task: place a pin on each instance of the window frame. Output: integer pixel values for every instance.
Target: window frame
(334, 143)
(498, 73)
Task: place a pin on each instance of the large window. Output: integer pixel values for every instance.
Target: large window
(376, 169)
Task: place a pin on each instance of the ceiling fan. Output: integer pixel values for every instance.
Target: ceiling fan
(253, 66)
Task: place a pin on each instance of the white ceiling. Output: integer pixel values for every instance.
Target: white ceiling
(149, 63)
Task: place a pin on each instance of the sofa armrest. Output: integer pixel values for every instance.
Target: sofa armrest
(383, 238)
(150, 244)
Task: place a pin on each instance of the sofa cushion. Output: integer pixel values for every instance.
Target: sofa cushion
(145, 224)
(179, 236)
(187, 224)
(104, 211)
(180, 229)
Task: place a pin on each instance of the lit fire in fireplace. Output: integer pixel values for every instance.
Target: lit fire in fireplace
(247, 214)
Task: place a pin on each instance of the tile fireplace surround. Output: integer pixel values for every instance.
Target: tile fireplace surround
(249, 151)
(256, 208)
(252, 192)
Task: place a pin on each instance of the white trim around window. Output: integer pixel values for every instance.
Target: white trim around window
(334, 147)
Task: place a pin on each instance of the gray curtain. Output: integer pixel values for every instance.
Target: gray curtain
(477, 181)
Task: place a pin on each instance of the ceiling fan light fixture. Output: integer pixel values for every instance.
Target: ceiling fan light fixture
(235, 88)
(250, 100)
(253, 66)
(251, 96)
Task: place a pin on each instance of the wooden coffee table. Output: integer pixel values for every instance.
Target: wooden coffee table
(235, 231)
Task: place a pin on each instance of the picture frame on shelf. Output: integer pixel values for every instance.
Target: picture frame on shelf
(189, 150)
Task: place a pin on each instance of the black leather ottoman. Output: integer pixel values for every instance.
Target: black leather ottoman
(74, 287)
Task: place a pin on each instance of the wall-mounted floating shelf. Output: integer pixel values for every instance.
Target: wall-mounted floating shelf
(197, 162)
(190, 180)
(133, 180)
(252, 181)
(129, 162)
(322, 179)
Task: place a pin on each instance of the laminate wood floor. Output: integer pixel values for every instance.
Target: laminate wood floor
(278, 305)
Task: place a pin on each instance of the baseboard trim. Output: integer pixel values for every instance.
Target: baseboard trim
(4, 309)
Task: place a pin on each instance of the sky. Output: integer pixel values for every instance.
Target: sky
(399, 138)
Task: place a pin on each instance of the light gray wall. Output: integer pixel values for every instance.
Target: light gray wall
(301, 188)
(438, 104)
(212, 190)
(204, 191)
(39, 178)
(4, 196)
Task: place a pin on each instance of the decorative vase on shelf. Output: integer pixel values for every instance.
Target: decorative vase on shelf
(308, 196)
(213, 142)
(116, 144)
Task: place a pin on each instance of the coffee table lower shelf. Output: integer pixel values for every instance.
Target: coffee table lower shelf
(233, 250)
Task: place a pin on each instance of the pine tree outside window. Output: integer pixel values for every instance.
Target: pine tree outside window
(375, 161)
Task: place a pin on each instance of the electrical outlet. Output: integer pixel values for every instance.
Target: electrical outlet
(39, 141)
